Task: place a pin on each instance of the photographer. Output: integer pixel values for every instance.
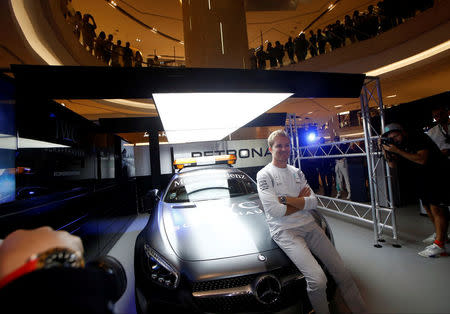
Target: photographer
(43, 270)
(431, 170)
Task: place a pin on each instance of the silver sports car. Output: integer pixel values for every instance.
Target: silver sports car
(207, 248)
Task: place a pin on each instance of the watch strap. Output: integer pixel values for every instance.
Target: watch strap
(55, 257)
(26, 268)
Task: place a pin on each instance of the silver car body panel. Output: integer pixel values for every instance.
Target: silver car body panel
(216, 229)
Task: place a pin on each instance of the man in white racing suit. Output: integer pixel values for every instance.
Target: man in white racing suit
(287, 199)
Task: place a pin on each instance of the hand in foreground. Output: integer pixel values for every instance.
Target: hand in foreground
(305, 192)
(19, 245)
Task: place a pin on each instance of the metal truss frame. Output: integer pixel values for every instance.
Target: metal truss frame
(381, 217)
(334, 149)
(355, 210)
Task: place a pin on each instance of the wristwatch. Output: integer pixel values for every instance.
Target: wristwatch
(58, 257)
(55, 257)
(283, 200)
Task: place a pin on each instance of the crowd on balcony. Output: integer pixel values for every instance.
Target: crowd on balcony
(358, 27)
(101, 46)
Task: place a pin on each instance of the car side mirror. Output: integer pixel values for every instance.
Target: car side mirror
(155, 194)
(151, 199)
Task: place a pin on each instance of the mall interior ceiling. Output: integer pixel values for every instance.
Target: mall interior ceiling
(265, 22)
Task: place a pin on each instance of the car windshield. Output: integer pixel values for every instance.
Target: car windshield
(209, 184)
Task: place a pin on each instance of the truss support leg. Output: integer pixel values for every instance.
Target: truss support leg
(365, 115)
(388, 171)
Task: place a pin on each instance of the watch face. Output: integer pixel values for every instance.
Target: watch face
(59, 257)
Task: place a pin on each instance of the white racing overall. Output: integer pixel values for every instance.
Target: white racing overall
(300, 237)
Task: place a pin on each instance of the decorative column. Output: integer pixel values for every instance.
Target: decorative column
(215, 34)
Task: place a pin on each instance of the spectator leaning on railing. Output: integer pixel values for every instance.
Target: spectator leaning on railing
(101, 47)
(358, 27)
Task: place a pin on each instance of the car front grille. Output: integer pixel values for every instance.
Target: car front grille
(290, 293)
(241, 280)
(224, 283)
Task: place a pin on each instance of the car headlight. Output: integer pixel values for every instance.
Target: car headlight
(161, 272)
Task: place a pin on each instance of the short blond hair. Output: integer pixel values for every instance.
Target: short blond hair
(274, 134)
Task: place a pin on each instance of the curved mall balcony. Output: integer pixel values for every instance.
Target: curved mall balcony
(39, 34)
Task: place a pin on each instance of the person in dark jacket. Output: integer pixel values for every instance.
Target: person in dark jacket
(261, 56)
(88, 32)
(272, 55)
(289, 48)
(421, 155)
(321, 41)
(312, 44)
(279, 50)
(301, 47)
(127, 55)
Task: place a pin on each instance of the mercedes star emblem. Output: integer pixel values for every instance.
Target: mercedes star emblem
(267, 289)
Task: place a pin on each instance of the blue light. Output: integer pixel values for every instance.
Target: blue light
(311, 137)
(31, 192)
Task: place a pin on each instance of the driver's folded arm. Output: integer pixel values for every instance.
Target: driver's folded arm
(268, 197)
(270, 200)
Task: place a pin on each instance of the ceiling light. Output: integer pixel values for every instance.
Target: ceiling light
(310, 112)
(41, 47)
(112, 4)
(63, 104)
(146, 134)
(343, 112)
(391, 96)
(198, 117)
(338, 106)
(131, 103)
(413, 59)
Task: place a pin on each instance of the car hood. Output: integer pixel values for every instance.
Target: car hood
(217, 229)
